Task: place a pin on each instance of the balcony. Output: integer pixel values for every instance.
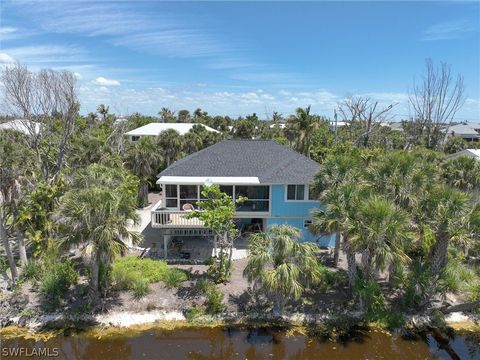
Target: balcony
(174, 219)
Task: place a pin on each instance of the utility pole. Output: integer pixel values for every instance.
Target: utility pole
(335, 128)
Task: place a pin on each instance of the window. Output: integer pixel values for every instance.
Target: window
(296, 192)
(171, 196)
(307, 223)
(258, 198)
(227, 189)
(188, 195)
(135, 138)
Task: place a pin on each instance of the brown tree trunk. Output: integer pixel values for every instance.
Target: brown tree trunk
(439, 256)
(336, 251)
(352, 267)
(94, 276)
(8, 251)
(366, 257)
(143, 193)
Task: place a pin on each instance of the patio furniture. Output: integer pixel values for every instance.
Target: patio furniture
(188, 207)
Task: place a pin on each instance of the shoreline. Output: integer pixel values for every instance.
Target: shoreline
(127, 322)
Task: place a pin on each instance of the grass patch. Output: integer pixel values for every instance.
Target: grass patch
(135, 274)
(174, 277)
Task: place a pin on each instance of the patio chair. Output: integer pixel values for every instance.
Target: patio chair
(188, 207)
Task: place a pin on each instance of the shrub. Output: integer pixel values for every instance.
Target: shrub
(371, 298)
(195, 312)
(56, 281)
(457, 276)
(34, 270)
(140, 287)
(214, 303)
(174, 277)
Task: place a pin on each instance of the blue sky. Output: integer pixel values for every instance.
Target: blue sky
(241, 57)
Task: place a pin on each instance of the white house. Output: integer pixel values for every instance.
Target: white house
(155, 129)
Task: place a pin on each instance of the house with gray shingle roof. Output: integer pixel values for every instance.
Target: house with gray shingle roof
(468, 132)
(274, 178)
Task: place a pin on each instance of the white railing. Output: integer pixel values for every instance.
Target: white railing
(167, 218)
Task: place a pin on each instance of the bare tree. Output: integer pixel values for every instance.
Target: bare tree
(363, 113)
(435, 101)
(42, 100)
(46, 106)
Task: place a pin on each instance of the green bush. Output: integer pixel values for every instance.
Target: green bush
(140, 287)
(34, 270)
(371, 297)
(214, 303)
(457, 276)
(174, 277)
(194, 313)
(56, 281)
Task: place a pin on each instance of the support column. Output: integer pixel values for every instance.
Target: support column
(165, 246)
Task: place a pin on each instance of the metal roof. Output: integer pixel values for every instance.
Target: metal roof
(154, 129)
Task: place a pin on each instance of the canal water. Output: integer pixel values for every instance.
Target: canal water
(217, 344)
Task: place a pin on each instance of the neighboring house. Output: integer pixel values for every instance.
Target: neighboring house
(278, 125)
(155, 129)
(24, 126)
(274, 178)
(475, 153)
(468, 132)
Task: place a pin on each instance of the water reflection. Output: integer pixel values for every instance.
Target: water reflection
(261, 343)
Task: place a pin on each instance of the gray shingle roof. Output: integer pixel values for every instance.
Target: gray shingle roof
(272, 163)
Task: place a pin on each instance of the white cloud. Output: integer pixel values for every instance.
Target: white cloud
(106, 82)
(447, 30)
(47, 54)
(6, 59)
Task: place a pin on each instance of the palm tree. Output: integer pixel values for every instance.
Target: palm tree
(304, 125)
(103, 110)
(281, 265)
(144, 159)
(403, 177)
(448, 212)
(462, 173)
(167, 115)
(380, 231)
(96, 213)
(171, 145)
(334, 172)
(341, 204)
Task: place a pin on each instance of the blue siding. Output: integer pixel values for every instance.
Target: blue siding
(294, 213)
(280, 207)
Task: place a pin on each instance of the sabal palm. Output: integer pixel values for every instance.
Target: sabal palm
(450, 214)
(304, 125)
(402, 177)
(103, 110)
(281, 265)
(463, 173)
(144, 159)
(380, 230)
(96, 214)
(170, 143)
(340, 203)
